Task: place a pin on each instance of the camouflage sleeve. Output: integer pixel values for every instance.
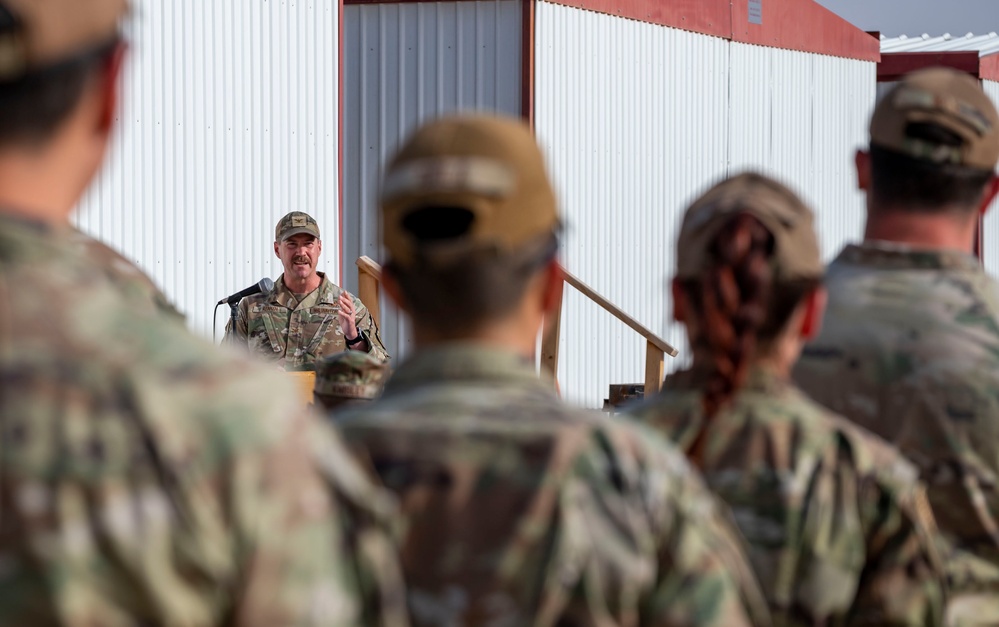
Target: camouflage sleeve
(903, 582)
(704, 575)
(649, 518)
(366, 324)
(350, 550)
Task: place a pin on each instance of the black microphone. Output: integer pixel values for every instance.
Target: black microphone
(265, 285)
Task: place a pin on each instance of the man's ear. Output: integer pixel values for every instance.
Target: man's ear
(391, 286)
(110, 90)
(862, 161)
(815, 309)
(679, 301)
(277, 252)
(991, 189)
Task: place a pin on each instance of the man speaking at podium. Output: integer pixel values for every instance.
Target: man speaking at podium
(305, 317)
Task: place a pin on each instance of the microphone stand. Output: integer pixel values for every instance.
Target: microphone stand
(233, 310)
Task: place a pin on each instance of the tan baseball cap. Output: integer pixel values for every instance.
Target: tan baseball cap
(796, 247)
(35, 34)
(947, 98)
(351, 374)
(294, 223)
(488, 165)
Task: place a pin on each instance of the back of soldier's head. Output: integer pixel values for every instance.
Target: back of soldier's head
(934, 142)
(469, 217)
(50, 52)
(349, 377)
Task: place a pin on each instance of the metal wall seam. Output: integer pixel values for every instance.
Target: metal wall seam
(229, 120)
(405, 63)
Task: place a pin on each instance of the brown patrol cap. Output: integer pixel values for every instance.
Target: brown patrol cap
(36, 34)
(946, 98)
(352, 375)
(490, 166)
(796, 247)
(294, 223)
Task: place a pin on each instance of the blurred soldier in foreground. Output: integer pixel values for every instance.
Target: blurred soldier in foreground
(348, 377)
(910, 346)
(521, 510)
(145, 477)
(305, 317)
(836, 520)
(129, 280)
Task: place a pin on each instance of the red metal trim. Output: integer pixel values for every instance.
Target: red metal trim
(801, 25)
(988, 67)
(895, 65)
(527, 62)
(709, 17)
(339, 140)
(804, 26)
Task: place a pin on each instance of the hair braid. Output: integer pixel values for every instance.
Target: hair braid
(735, 303)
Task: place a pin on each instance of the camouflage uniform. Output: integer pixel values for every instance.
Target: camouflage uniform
(524, 511)
(350, 375)
(147, 478)
(910, 350)
(279, 329)
(836, 521)
(133, 283)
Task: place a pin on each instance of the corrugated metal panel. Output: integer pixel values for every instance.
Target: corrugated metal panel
(984, 44)
(800, 118)
(990, 224)
(634, 119)
(229, 121)
(633, 134)
(403, 64)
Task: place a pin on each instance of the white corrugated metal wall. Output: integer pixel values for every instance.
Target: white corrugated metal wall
(990, 225)
(801, 118)
(634, 120)
(229, 120)
(637, 119)
(403, 64)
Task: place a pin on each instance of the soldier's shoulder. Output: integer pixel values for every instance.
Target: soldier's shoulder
(869, 455)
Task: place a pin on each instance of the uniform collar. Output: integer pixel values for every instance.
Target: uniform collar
(894, 256)
(464, 362)
(281, 295)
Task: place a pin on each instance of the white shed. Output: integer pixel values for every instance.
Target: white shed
(639, 104)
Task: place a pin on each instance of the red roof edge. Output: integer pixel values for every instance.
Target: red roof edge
(989, 67)
(803, 25)
(709, 17)
(895, 65)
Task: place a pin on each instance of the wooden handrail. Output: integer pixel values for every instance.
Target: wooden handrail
(616, 311)
(370, 275)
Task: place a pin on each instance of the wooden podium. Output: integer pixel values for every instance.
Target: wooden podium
(306, 382)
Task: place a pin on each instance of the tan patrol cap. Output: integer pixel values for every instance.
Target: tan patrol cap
(489, 165)
(35, 34)
(796, 247)
(295, 223)
(947, 98)
(351, 374)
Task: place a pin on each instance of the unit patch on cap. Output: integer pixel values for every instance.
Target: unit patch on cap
(457, 175)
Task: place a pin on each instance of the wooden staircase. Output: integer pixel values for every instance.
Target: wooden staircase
(369, 275)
